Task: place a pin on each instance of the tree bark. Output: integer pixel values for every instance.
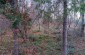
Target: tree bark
(82, 25)
(82, 19)
(39, 24)
(15, 48)
(65, 28)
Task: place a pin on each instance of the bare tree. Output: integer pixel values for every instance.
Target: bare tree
(82, 18)
(65, 28)
(15, 29)
(15, 48)
(82, 25)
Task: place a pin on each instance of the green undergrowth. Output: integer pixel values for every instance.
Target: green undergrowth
(44, 44)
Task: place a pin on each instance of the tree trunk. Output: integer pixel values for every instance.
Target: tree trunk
(82, 25)
(25, 32)
(15, 48)
(39, 24)
(82, 18)
(65, 28)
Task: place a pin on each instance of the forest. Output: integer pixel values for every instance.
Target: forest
(42, 27)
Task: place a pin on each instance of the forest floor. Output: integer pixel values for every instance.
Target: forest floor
(40, 44)
(43, 42)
